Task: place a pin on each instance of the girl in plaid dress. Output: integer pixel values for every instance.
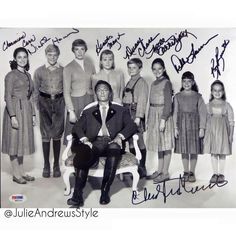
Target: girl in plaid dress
(189, 122)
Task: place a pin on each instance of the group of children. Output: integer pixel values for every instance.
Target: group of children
(182, 122)
(186, 124)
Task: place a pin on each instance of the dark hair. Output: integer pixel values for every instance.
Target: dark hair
(79, 42)
(106, 52)
(161, 62)
(13, 64)
(223, 87)
(135, 61)
(190, 75)
(108, 86)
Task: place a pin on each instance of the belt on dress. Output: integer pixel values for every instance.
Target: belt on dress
(52, 96)
(156, 105)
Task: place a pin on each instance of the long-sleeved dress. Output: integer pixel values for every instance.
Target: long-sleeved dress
(189, 117)
(219, 119)
(77, 89)
(18, 96)
(160, 108)
(115, 78)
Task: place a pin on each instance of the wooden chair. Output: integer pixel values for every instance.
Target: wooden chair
(129, 163)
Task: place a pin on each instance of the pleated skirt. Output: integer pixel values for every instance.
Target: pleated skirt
(188, 141)
(19, 141)
(216, 139)
(159, 141)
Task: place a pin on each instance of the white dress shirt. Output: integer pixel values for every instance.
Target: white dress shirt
(100, 108)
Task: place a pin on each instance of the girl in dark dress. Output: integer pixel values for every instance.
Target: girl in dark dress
(189, 122)
(19, 115)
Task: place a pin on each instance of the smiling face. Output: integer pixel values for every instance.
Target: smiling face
(107, 61)
(158, 70)
(187, 84)
(52, 57)
(133, 69)
(217, 91)
(21, 59)
(102, 93)
(79, 52)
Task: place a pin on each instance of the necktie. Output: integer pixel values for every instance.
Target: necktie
(104, 127)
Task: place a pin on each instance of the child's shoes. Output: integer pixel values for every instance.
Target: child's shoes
(161, 178)
(185, 176)
(214, 179)
(221, 179)
(153, 175)
(191, 177)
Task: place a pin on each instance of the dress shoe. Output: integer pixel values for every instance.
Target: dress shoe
(104, 199)
(214, 179)
(19, 180)
(28, 178)
(161, 178)
(191, 177)
(221, 179)
(185, 176)
(56, 172)
(153, 175)
(46, 172)
(75, 202)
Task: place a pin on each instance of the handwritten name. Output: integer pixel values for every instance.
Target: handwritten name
(150, 47)
(34, 47)
(161, 190)
(179, 63)
(7, 44)
(59, 39)
(33, 44)
(109, 41)
(218, 63)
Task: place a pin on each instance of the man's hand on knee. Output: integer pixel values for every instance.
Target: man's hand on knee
(117, 140)
(86, 141)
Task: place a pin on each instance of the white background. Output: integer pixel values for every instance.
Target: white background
(131, 14)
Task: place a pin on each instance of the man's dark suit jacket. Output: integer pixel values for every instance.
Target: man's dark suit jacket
(118, 121)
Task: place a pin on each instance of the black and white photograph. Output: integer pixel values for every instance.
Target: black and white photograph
(118, 117)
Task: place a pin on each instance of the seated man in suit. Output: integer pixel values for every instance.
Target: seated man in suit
(102, 126)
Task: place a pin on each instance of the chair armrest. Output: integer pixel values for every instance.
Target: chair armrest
(68, 146)
(137, 151)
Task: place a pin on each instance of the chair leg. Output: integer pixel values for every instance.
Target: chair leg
(135, 180)
(121, 177)
(66, 178)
